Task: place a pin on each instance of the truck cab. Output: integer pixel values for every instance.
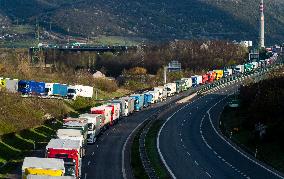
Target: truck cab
(138, 101)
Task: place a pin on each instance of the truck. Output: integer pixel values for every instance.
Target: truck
(181, 84)
(80, 91)
(155, 96)
(255, 65)
(42, 166)
(228, 72)
(31, 88)
(161, 92)
(204, 79)
(48, 177)
(80, 124)
(94, 126)
(248, 68)
(12, 85)
(115, 112)
(196, 80)
(138, 101)
(219, 74)
(171, 89)
(239, 69)
(68, 150)
(2, 82)
(106, 114)
(129, 105)
(147, 99)
(56, 89)
(73, 134)
(211, 76)
(188, 82)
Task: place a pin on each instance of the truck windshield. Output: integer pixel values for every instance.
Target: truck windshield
(22, 85)
(136, 101)
(71, 91)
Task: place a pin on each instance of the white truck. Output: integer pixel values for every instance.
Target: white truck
(159, 90)
(171, 88)
(228, 72)
(255, 65)
(155, 95)
(105, 112)
(12, 85)
(188, 82)
(94, 126)
(239, 69)
(80, 91)
(129, 105)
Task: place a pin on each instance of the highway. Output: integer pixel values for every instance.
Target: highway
(191, 145)
(104, 158)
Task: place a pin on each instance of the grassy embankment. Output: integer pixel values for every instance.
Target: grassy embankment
(261, 103)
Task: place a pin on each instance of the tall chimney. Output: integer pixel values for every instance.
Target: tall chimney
(261, 34)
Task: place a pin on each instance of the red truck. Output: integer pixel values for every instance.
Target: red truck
(204, 79)
(115, 112)
(105, 112)
(69, 151)
(211, 76)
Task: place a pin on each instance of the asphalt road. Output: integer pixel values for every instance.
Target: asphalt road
(192, 145)
(104, 158)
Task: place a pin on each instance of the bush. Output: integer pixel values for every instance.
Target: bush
(105, 84)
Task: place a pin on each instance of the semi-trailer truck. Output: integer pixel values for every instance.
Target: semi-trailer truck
(12, 85)
(42, 166)
(228, 72)
(138, 101)
(129, 105)
(56, 89)
(239, 69)
(115, 112)
(211, 76)
(155, 96)
(204, 79)
(69, 151)
(219, 74)
(147, 99)
(171, 89)
(105, 112)
(94, 126)
(80, 91)
(196, 80)
(73, 134)
(181, 85)
(31, 87)
(188, 82)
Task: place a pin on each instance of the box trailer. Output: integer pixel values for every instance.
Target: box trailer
(115, 112)
(239, 69)
(80, 125)
(228, 72)
(196, 80)
(155, 96)
(121, 102)
(105, 112)
(80, 91)
(188, 82)
(42, 166)
(219, 74)
(129, 105)
(181, 85)
(147, 99)
(205, 79)
(211, 76)
(12, 85)
(68, 150)
(56, 89)
(160, 91)
(31, 88)
(94, 126)
(48, 177)
(138, 101)
(171, 89)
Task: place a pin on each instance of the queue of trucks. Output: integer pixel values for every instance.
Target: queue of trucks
(64, 153)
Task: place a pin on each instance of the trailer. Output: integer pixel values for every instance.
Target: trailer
(155, 96)
(73, 134)
(105, 112)
(219, 74)
(12, 85)
(80, 91)
(80, 124)
(239, 69)
(205, 79)
(171, 89)
(228, 72)
(48, 177)
(31, 88)
(138, 101)
(115, 114)
(42, 166)
(2, 82)
(68, 150)
(181, 85)
(196, 80)
(129, 105)
(211, 76)
(147, 99)
(188, 82)
(56, 89)
(160, 91)
(94, 126)
(248, 68)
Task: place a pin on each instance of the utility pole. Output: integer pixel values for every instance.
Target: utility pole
(261, 34)
(165, 74)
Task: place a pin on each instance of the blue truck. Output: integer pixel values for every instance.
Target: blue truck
(138, 101)
(27, 87)
(147, 99)
(56, 89)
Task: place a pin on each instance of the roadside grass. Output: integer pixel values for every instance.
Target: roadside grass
(136, 163)
(152, 151)
(269, 152)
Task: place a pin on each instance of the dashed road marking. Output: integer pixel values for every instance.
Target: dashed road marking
(208, 174)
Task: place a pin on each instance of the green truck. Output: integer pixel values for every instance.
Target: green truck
(248, 68)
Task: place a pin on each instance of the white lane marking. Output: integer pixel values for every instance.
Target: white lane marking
(188, 153)
(208, 174)
(196, 163)
(93, 153)
(89, 162)
(237, 150)
(85, 175)
(181, 140)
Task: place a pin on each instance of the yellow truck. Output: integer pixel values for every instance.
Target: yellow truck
(49, 177)
(219, 74)
(42, 166)
(2, 82)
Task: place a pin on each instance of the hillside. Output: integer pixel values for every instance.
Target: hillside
(154, 20)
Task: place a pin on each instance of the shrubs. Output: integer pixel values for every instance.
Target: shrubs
(105, 84)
